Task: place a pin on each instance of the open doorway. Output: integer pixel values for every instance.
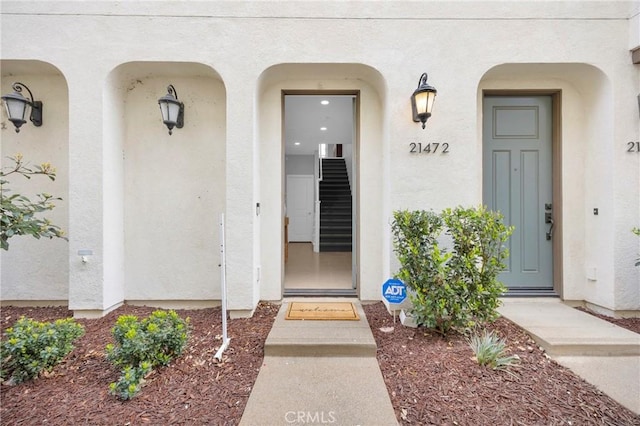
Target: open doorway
(319, 132)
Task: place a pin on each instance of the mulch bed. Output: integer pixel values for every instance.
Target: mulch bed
(435, 380)
(194, 389)
(431, 380)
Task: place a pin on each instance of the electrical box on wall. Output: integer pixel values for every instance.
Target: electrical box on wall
(592, 274)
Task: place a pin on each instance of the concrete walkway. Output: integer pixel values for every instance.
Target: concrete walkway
(319, 372)
(602, 353)
(326, 372)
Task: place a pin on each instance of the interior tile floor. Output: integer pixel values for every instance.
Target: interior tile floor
(326, 270)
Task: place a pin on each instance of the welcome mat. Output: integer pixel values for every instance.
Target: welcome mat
(322, 311)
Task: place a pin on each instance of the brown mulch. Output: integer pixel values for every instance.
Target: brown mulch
(435, 380)
(632, 324)
(431, 380)
(194, 389)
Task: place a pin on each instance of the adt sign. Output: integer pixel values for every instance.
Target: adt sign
(394, 291)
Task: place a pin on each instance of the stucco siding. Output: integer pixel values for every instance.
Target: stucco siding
(147, 204)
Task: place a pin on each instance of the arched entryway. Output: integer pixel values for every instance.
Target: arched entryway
(360, 82)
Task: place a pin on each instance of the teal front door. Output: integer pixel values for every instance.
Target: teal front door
(517, 181)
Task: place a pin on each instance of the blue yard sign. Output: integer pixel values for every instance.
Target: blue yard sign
(394, 291)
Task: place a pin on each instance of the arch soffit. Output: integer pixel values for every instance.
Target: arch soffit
(30, 67)
(152, 69)
(280, 73)
(582, 76)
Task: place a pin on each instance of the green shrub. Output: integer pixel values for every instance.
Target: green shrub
(130, 382)
(31, 347)
(458, 288)
(491, 351)
(142, 345)
(423, 266)
(478, 257)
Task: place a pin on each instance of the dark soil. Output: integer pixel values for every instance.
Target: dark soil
(431, 380)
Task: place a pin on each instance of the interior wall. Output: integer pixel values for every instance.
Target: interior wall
(299, 164)
(37, 269)
(347, 154)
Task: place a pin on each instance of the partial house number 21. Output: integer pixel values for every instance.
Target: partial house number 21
(633, 146)
(430, 148)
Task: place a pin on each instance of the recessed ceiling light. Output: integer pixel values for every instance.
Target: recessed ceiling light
(324, 102)
(297, 143)
(323, 128)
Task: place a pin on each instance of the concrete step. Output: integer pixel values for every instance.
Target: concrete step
(301, 338)
(564, 331)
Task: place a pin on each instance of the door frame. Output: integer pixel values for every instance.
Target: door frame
(355, 190)
(556, 169)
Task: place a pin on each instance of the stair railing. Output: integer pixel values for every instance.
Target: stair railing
(316, 212)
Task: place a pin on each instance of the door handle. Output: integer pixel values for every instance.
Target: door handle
(548, 219)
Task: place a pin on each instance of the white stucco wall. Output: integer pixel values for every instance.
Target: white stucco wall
(174, 185)
(37, 270)
(229, 62)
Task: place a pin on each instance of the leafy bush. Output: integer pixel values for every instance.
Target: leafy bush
(490, 350)
(142, 345)
(18, 214)
(31, 347)
(455, 289)
(130, 382)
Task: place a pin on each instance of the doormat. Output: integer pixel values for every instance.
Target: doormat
(326, 311)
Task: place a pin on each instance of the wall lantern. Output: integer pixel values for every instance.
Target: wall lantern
(172, 109)
(16, 106)
(422, 100)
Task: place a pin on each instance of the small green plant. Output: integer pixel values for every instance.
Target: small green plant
(490, 350)
(142, 345)
(31, 347)
(19, 215)
(456, 289)
(130, 381)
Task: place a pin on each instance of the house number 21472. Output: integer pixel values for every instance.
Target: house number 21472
(430, 148)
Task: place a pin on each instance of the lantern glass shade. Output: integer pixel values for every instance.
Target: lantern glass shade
(16, 107)
(422, 101)
(172, 110)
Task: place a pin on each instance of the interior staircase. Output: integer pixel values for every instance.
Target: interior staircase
(335, 206)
